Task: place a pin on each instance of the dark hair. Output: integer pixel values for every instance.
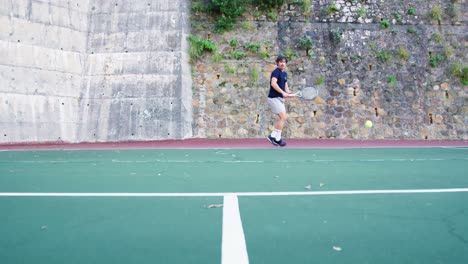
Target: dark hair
(280, 58)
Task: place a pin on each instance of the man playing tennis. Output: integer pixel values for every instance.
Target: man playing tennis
(278, 91)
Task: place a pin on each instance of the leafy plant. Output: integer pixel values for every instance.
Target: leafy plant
(436, 13)
(263, 53)
(434, 59)
(384, 56)
(397, 16)
(199, 45)
(412, 11)
(362, 12)
(459, 71)
(290, 53)
(253, 74)
(456, 69)
(448, 51)
(267, 5)
(320, 80)
(272, 16)
(436, 37)
(217, 57)
(197, 6)
(229, 69)
(332, 8)
(233, 42)
(253, 47)
(403, 53)
(464, 77)
(238, 54)
(452, 10)
(322, 60)
(306, 44)
(384, 23)
(335, 36)
(248, 26)
(392, 80)
(227, 12)
(306, 7)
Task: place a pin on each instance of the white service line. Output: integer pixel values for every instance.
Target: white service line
(455, 147)
(234, 249)
(219, 194)
(236, 161)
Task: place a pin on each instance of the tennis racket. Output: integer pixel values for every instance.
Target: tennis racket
(307, 93)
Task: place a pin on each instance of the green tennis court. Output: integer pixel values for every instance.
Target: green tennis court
(360, 205)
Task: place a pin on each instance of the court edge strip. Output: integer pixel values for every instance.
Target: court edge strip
(222, 194)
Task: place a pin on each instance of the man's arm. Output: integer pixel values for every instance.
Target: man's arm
(286, 88)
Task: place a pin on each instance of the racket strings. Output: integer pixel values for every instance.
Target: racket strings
(309, 93)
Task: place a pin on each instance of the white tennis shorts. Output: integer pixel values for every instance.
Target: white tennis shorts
(277, 105)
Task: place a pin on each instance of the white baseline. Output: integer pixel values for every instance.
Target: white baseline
(218, 194)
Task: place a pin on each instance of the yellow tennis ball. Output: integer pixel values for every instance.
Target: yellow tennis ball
(368, 124)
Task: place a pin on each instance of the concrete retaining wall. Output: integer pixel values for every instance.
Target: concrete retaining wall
(89, 71)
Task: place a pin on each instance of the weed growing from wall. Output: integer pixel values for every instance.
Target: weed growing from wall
(305, 43)
(332, 8)
(384, 24)
(435, 59)
(362, 12)
(464, 77)
(252, 47)
(307, 7)
(457, 70)
(436, 13)
(199, 45)
(320, 80)
(267, 5)
(290, 53)
(403, 53)
(392, 80)
(226, 13)
(384, 56)
(229, 69)
(336, 36)
(452, 10)
(254, 74)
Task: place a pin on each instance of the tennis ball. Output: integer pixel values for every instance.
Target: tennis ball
(368, 124)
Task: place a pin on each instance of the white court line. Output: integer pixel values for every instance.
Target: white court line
(234, 249)
(218, 194)
(236, 161)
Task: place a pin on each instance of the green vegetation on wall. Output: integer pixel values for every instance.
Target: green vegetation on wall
(226, 12)
(199, 45)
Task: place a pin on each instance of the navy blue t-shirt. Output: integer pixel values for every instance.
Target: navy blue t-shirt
(282, 78)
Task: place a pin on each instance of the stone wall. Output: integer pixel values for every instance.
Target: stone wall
(399, 76)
